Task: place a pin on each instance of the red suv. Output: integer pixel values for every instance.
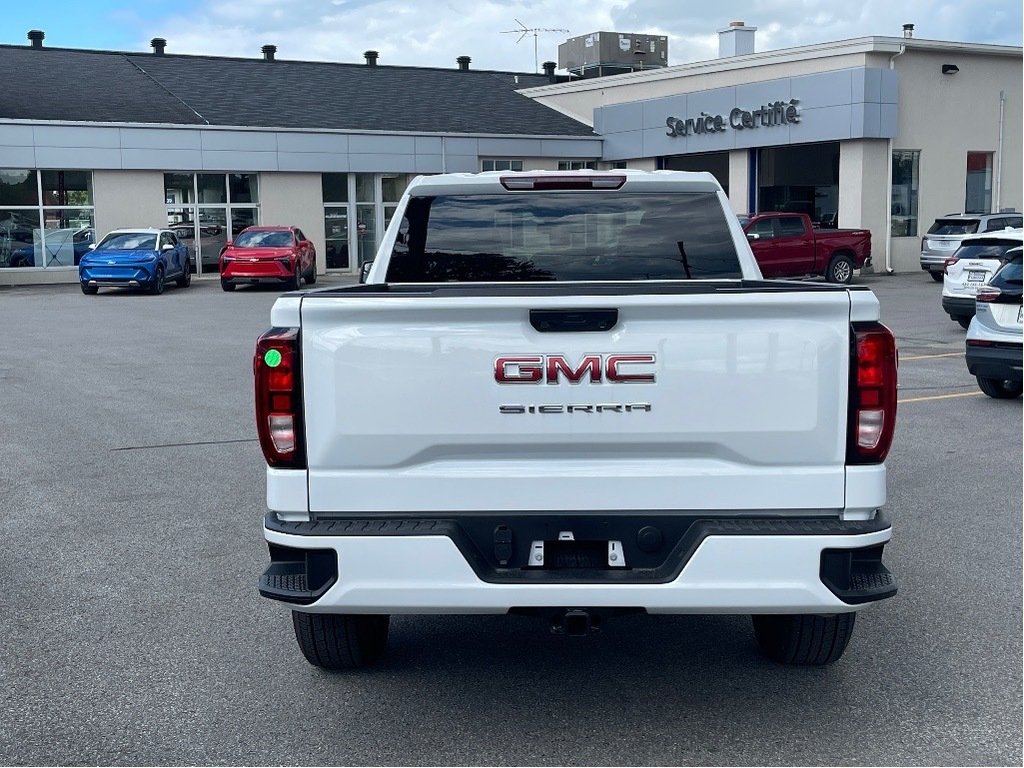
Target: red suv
(268, 254)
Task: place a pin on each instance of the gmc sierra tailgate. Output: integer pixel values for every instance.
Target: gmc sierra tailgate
(719, 396)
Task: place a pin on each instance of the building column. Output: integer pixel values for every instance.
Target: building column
(864, 194)
(739, 180)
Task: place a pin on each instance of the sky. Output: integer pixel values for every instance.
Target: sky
(434, 32)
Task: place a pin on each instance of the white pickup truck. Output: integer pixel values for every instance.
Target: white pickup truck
(572, 395)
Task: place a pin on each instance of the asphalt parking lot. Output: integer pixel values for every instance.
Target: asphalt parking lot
(131, 500)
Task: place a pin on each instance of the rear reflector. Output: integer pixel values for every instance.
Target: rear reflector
(872, 417)
(563, 182)
(279, 398)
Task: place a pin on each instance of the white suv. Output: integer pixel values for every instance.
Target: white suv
(970, 267)
(994, 338)
(946, 234)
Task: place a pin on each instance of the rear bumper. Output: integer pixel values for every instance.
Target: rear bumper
(1003, 363)
(766, 565)
(956, 306)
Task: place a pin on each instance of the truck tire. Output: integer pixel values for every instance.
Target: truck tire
(341, 641)
(803, 639)
(937, 276)
(840, 269)
(965, 322)
(1001, 390)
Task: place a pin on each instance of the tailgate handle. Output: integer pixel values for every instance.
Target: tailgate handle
(573, 320)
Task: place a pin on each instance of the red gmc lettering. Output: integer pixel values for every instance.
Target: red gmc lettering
(614, 361)
(591, 363)
(532, 369)
(525, 370)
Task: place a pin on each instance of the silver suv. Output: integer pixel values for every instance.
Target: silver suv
(944, 236)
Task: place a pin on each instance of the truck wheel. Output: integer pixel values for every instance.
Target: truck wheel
(965, 322)
(936, 276)
(1001, 390)
(840, 269)
(341, 641)
(803, 639)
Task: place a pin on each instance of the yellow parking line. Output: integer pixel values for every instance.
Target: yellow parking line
(929, 357)
(938, 397)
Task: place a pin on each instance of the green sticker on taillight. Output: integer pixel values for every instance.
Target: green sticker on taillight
(272, 358)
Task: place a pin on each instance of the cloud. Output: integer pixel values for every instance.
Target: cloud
(434, 33)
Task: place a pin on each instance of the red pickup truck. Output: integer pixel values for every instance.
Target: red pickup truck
(788, 245)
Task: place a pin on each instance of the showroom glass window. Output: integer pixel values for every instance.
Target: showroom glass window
(800, 179)
(715, 163)
(577, 165)
(357, 209)
(979, 183)
(501, 165)
(46, 217)
(906, 171)
(205, 210)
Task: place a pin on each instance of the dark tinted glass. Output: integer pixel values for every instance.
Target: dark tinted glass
(954, 227)
(1011, 275)
(984, 249)
(790, 226)
(18, 187)
(563, 236)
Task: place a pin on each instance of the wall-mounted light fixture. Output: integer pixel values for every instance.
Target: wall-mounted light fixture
(950, 69)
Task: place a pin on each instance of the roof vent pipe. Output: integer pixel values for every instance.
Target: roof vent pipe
(158, 44)
(268, 52)
(371, 58)
(908, 30)
(463, 62)
(36, 36)
(549, 70)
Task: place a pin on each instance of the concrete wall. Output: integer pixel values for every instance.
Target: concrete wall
(296, 199)
(945, 117)
(863, 191)
(739, 180)
(128, 199)
(114, 147)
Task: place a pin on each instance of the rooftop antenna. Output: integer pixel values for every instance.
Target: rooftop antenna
(523, 31)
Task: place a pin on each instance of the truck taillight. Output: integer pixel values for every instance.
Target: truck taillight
(279, 398)
(872, 418)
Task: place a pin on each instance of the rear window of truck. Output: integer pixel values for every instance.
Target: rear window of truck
(560, 236)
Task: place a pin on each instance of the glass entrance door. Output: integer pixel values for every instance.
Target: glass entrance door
(206, 210)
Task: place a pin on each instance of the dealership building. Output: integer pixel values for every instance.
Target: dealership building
(884, 133)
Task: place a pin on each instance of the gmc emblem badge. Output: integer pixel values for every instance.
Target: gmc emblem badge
(550, 369)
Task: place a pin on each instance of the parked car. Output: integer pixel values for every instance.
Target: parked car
(81, 241)
(135, 258)
(788, 245)
(994, 337)
(268, 254)
(946, 234)
(970, 267)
